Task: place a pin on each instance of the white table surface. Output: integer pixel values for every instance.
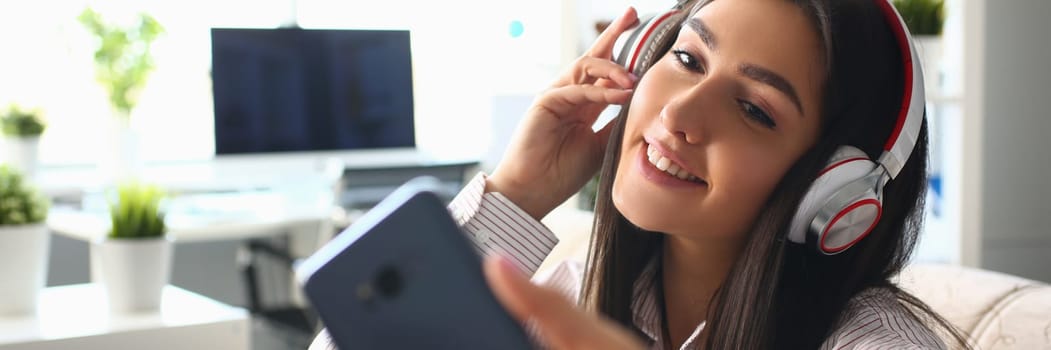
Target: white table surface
(78, 317)
(209, 217)
(227, 197)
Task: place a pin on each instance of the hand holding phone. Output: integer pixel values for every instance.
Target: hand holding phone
(405, 276)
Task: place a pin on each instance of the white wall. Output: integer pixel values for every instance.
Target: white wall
(463, 56)
(1014, 144)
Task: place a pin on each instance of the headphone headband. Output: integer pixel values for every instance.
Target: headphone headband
(910, 118)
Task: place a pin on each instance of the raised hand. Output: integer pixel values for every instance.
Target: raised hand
(554, 151)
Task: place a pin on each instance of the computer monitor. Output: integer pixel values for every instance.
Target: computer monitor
(295, 90)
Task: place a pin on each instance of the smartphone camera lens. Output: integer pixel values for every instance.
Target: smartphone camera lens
(389, 282)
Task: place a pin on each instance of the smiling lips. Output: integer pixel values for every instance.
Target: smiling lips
(669, 167)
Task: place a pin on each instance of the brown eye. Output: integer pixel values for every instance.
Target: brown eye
(757, 114)
(686, 60)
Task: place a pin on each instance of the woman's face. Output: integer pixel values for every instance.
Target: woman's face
(732, 105)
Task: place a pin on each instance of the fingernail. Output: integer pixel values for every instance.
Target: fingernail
(633, 76)
(626, 12)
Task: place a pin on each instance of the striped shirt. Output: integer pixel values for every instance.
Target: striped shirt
(874, 319)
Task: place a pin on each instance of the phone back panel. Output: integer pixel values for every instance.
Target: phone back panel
(406, 276)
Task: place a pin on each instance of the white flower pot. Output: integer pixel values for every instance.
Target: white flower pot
(133, 272)
(21, 153)
(23, 266)
(122, 160)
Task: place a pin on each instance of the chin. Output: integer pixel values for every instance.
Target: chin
(646, 217)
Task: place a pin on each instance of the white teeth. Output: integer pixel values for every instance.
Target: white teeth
(663, 164)
(666, 165)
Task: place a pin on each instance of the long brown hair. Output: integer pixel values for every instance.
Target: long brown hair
(779, 294)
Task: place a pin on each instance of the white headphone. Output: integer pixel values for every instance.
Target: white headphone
(845, 202)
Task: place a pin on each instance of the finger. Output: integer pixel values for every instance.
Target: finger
(562, 325)
(509, 285)
(589, 69)
(607, 83)
(564, 100)
(603, 47)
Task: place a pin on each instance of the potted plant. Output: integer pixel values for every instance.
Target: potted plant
(925, 19)
(587, 195)
(21, 130)
(123, 63)
(24, 243)
(133, 261)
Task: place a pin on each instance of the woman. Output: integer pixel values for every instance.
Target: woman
(702, 174)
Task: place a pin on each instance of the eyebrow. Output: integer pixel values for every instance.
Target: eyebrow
(702, 31)
(751, 71)
(768, 77)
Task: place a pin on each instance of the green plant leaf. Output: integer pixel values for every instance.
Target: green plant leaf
(123, 61)
(21, 123)
(20, 203)
(137, 212)
(923, 17)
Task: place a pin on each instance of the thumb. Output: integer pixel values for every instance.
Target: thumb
(561, 324)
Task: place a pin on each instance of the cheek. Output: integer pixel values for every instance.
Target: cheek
(744, 178)
(745, 186)
(651, 93)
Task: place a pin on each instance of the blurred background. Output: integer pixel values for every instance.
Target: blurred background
(474, 67)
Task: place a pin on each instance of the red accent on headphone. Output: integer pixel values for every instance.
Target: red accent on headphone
(638, 50)
(903, 44)
(831, 224)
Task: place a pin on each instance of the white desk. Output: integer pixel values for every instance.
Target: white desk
(304, 220)
(237, 172)
(78, 317)
(231, 197)
(209, 217)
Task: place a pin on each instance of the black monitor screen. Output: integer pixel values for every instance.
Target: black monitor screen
(286, 90)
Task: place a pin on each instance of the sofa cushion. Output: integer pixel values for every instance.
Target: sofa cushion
(998, 311)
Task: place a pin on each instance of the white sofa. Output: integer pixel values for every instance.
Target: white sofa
(997, 311)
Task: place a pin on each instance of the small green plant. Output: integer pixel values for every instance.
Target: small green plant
(20, 203)
(136, 212)
(21, 123)
(123, 60)
(588, 194)
(923, 17)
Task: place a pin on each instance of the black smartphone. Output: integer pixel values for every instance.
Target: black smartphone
(404, 276)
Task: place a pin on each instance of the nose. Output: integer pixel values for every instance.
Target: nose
(689, 113)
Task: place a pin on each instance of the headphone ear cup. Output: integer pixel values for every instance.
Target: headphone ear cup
(846, 166)
(636, 48)
(848, 217)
